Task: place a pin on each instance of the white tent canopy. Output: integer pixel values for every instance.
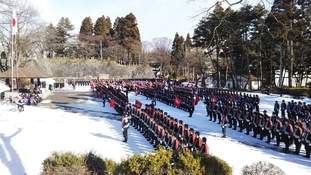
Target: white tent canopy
(3, 87)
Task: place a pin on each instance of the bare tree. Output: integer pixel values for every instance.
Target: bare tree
(161, 51)
(145, 55)
(29, 30)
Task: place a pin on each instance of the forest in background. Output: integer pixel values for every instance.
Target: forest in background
(227, 42)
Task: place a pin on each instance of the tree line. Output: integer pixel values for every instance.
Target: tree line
(252, 41)
(119, 42)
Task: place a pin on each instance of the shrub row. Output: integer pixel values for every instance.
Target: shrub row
(155, 162)
(295, 91)
(70, 164)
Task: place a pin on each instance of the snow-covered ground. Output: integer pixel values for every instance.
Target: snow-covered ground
(29, 137)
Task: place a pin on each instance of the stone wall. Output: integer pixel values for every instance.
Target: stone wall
(81, 68)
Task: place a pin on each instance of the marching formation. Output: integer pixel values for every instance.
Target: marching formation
(160, 128)
(157, 126)
(288, 123)
(241, 112)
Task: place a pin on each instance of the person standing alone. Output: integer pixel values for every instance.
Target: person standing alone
(224, 126)
(125, 124)
(104, 100)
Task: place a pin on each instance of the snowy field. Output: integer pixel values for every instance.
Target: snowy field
(29, 137)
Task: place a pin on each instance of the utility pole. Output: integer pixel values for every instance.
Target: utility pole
(101, 50)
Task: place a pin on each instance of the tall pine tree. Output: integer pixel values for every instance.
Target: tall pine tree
(86, 29)
(63, 29)
(127, 33)
(102, 26)
(178, 52)
(283, 24)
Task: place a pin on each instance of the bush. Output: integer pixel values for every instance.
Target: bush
(110, 166)
(62, 161)
(70, 164)
(178, 163)
(159, 162)
(187, 163)
(214, 165)
(296, 92)
(175, 75)
(69, 170)
(95, 164)
(262, 168)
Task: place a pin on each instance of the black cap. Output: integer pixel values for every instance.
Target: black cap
(204, 139)
(264, 110)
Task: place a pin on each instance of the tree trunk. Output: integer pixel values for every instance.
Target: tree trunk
(235, 81)
(227, 70)
(290, 62)
(217, 66)
(248, 71)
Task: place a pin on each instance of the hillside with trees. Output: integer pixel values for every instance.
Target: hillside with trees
(232, 39)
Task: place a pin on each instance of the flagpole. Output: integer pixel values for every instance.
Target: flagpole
(14, 31)
(12, 62)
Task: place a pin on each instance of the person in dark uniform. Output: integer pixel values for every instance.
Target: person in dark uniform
(125, 124)
(248, 122)
(276, 108)
(297, 134)
(273, 119)
(306, 139)
(224, 126)
(204, 147)
(277, 129)
(258, 125)
(191, 139)
(191, 109)
(104, 99)
(286, 135)
(197, 145)
(283, 107)
(267, 129)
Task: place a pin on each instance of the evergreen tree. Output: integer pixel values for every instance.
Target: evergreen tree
(284, 26)
(63, 29)
(188, 43)
(212, 32)
(50, 40)
(302, 42)
(178, 52)
(227, 34)
(102, 26)
(127, 33)
(86, 29)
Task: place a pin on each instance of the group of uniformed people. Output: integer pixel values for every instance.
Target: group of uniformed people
(237, 112)
(230, 109)
(160, 128)
(157, 126)
(167, 96)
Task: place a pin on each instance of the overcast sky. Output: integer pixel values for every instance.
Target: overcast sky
(155, 18)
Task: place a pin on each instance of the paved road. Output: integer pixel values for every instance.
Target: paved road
(68, 96)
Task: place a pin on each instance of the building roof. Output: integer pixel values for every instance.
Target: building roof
(23, 73)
